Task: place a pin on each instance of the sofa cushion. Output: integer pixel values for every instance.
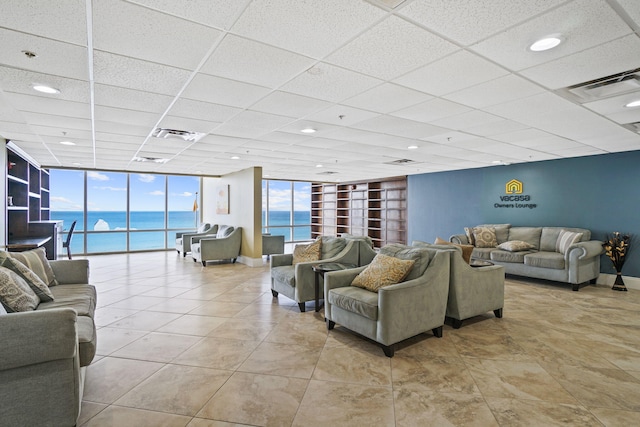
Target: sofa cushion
(506, 256)
(355, 300)
(32, 279)
(284, 274)
(566, 239)
(515, 246)
(306, 253)
(482, 253)
(82, 298)
(502, 231)
(86, 339)
(36, 260)
(530, 235)
(421, 257)
(485, 237)
(331, 246)
(549, 236)
(15, 293)
(466, 250)
(383, 271)
(553, 260)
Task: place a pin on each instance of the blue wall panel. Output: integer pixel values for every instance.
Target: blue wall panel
(601, 193)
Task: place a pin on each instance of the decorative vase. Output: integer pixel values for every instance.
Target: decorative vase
(618, 285)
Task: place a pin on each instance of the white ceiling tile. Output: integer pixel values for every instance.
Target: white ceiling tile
(122, 129)
(372, 54)
(386, 98)
(21, 81)
(118, 97)
(330, 83)
(259, 120)
(216, 13)
(495, 127)
(498, 91)
(466, 120)
(117, 70)
(431, 110)
(400, 127)
(615, 104)
(228, 129)
(585, 150)
(252, 62)
(203, 110)
(467, 21)
(451, 136)
(321, 128)
(285, 138)
(306, 28)
(531, 106)
(341, 115)
(592, 23)
(47, 105)
(521, 135)
(61, 122)
(120, 115)
(628, 116)
(632, 7)
(600, 61)
(208, 88)
(183, 123)
(290, 105)
(451, 74)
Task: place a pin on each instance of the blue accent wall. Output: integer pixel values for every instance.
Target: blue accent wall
(600, 193)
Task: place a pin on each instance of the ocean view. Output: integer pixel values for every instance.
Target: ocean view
(112, 228)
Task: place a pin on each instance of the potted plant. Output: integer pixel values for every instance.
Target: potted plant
(616, 247)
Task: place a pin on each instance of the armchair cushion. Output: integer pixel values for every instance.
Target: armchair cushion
(420, 257)
(15, 293)
(224, 231)
(203, 227)
(383, 271)
(285, 274)
(331, 246)
(356, 300)
(306, 253)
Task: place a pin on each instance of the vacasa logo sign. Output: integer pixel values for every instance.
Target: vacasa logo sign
(514, 197)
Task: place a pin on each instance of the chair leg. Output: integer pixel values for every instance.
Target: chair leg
(302, 307)
(69, 252)
(389, 350)
(456, 324)
(184, 254)
(498, 313)
(234, 260)
(274, 293)
(204, 263)
(437, 331)
(330, 324)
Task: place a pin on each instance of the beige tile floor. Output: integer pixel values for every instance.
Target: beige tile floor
(182, 345)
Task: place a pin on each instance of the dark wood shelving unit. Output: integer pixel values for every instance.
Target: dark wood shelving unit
(374, 208)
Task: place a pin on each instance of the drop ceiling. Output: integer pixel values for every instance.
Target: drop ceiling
(453, 78)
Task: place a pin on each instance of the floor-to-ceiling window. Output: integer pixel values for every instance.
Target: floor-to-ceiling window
(286, 209)
(118, 212)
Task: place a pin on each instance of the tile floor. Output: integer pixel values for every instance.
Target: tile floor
(182, 345)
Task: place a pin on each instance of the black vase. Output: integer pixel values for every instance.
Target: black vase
(618, 285)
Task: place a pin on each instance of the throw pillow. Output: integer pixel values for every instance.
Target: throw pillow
(467, 250)
(15, 294)
(306, 253)
(485, 237)
(515, 246)
(468, 231)
(566, 239)
(224, 231)
(36, 261)
(383, 271)
(404, 252)
(34, 282)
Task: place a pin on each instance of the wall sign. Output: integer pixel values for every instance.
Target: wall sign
(513, 197)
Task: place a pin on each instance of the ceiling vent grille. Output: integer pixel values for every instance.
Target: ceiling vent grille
(327, 173)
(184, 135)
(401, 162)
(150, 159)
(634, 127)
(605, 87)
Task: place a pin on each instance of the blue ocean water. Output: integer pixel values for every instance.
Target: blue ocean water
(139, 239)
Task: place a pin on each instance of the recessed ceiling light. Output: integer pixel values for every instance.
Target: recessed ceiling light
(632, 104)
(67, 143)
(318, 166)
(308, 130)
(412, 147)
(77, 164)
(46, 89)
(545, 43)
(235, 158)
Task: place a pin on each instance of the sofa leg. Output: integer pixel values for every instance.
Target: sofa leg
(593, 281)
(437, 332)
(184, 254)
(234, 260)
(456, 324)
(330, 324)
(274, 293)
(302, 307)
(576, 287)
(389, 350)
(498, 313)
(204, 263)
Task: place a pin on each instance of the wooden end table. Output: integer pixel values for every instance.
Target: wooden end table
(321, 269)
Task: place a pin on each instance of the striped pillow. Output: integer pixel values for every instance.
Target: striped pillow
(566, 239)
(36, 261)
(32, 279)
(15, 294)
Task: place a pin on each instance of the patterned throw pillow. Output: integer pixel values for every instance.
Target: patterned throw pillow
(383, 271)
(485, 237)
(468, 231)
(515, 246)
(566, 239)
(32, 279)
(306, 253)
(36, 261)
(15, 294)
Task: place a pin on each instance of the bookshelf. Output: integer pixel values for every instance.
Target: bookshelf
(374, 208)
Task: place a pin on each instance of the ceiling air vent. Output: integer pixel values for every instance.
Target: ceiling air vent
(327, 173)
(605, 87)
(184, 135)
(634, 127)
(401, 162)
(150, 159)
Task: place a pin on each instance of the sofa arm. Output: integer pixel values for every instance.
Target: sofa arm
(33, 337)
(460, 239)
(71, 271)
(585, 250)
(281, 259)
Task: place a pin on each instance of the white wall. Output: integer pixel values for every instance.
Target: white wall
(245, 209)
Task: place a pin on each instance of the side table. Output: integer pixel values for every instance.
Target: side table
(321, 269)
(475, 262)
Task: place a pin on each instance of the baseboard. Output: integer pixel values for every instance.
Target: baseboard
(629, 281)
(251, 262)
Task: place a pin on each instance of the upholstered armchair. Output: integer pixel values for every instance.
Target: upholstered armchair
(472, 290)
(297, 282)
(272, 244)
(183, 240)
(397, 311)
(224, 245)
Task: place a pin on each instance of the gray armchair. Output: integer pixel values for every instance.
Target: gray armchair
(183, 240)
(395, 312)
(297, 282)
(224, 245)
(272, 245)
